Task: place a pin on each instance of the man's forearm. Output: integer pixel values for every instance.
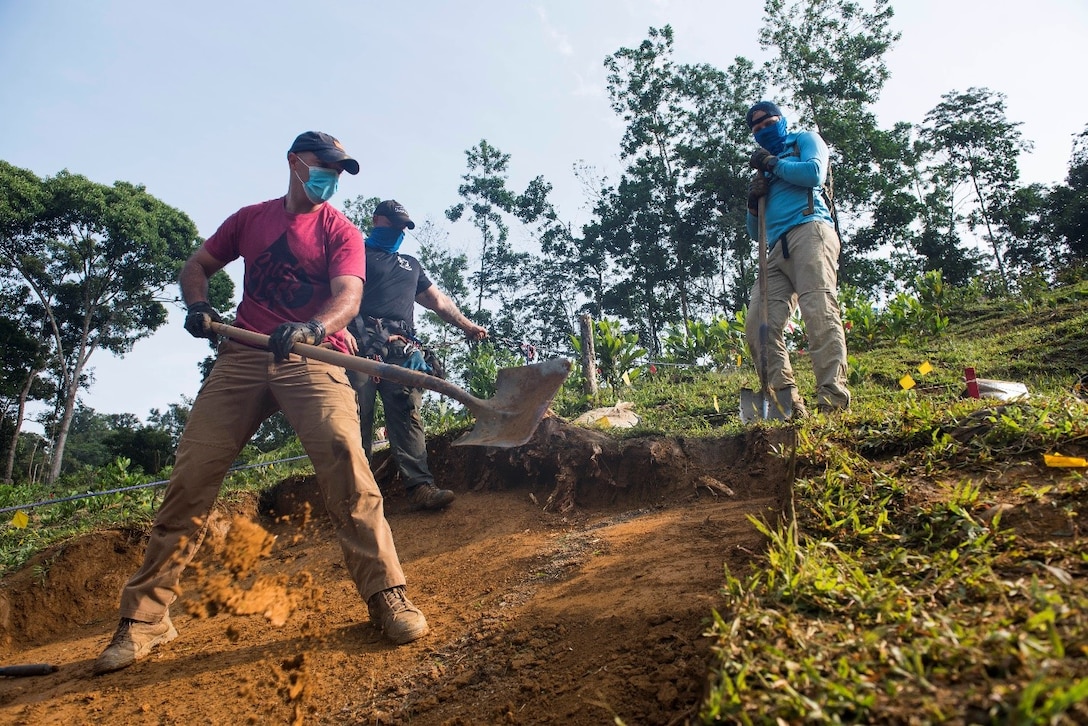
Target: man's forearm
(347, 293)
(453, 316)
(337, 314)
(193, 281)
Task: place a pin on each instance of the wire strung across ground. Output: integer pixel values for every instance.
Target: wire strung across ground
(134, 487)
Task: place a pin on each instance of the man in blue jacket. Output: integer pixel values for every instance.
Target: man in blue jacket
(802, 258)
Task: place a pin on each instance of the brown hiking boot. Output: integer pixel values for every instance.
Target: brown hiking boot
(428, 496)
(132, 642)
(394, 614)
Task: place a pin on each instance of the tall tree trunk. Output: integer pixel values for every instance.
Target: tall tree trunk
(71, 394)
(990, 233)
(62, 429)
(9, 465)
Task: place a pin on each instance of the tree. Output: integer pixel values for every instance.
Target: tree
(1024, 223)
(24, 355)
(714, 147)
(673, 227)
(977, 146)
(97, 258)
(938, 245)
(642, 223)
(1067, 207)
(95, 440)
(513, 281)
(485, 193)
(86, 445)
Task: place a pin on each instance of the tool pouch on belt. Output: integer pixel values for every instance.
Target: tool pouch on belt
(437, 369)
(392, 341)
(383, 339)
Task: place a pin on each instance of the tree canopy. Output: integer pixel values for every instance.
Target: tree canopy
(96, 260)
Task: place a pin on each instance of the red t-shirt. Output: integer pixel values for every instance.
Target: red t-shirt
(290, 260)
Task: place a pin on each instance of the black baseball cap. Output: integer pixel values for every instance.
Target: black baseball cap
(394, 211)
(767, 107)
(326, 148)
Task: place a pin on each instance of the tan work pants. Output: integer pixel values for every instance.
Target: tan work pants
(809, 279)
(245, 387)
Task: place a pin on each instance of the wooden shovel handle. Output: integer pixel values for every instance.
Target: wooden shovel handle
(397, 374)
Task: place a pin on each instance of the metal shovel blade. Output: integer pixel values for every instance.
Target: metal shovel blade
(522, 396)
(507, 419)
(764, 406)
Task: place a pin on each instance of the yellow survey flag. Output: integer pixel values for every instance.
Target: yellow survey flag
(925, 368)
(716, 409)
(1064, 461)
(906, 382)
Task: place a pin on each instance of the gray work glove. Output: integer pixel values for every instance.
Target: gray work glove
(763, 160)
(757, 187)
(197, 319)
(285, 336)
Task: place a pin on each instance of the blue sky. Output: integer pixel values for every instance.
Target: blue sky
(199, 101)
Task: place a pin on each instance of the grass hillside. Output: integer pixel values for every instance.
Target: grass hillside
(935, 571)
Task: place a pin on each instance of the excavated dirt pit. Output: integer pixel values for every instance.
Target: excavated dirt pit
(571, 581)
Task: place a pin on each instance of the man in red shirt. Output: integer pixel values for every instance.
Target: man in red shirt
(305, 267)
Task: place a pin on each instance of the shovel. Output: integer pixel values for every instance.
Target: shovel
(505, 420)
(764, 404)
(29, 669)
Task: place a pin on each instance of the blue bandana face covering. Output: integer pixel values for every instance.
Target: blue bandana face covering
(773, 138)
(385, 238)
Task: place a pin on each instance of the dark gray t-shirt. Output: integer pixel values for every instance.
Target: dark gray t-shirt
(392, 283)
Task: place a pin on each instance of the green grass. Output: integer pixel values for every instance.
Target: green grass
(49, 524)
(894, 598)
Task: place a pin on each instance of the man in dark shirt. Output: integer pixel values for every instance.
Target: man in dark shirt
(385, 330)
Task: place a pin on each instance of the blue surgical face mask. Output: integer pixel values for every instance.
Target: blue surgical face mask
(321, 185)
(773, 137)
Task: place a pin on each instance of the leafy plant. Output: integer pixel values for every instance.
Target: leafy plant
(618, 354)
(719, 343)
(861, 319)
(482, 367)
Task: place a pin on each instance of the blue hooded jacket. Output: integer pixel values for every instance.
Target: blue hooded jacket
(795, 183)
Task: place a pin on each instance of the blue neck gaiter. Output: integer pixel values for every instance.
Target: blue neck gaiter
(773, 138)
(385, 238)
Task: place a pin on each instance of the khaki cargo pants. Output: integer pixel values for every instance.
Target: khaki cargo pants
(245, 387)
(807, 279)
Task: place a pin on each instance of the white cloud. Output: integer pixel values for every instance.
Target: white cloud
(562, 43)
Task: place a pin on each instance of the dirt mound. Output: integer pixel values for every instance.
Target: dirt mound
(77, 584)
(571, 581)
(61, 588)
